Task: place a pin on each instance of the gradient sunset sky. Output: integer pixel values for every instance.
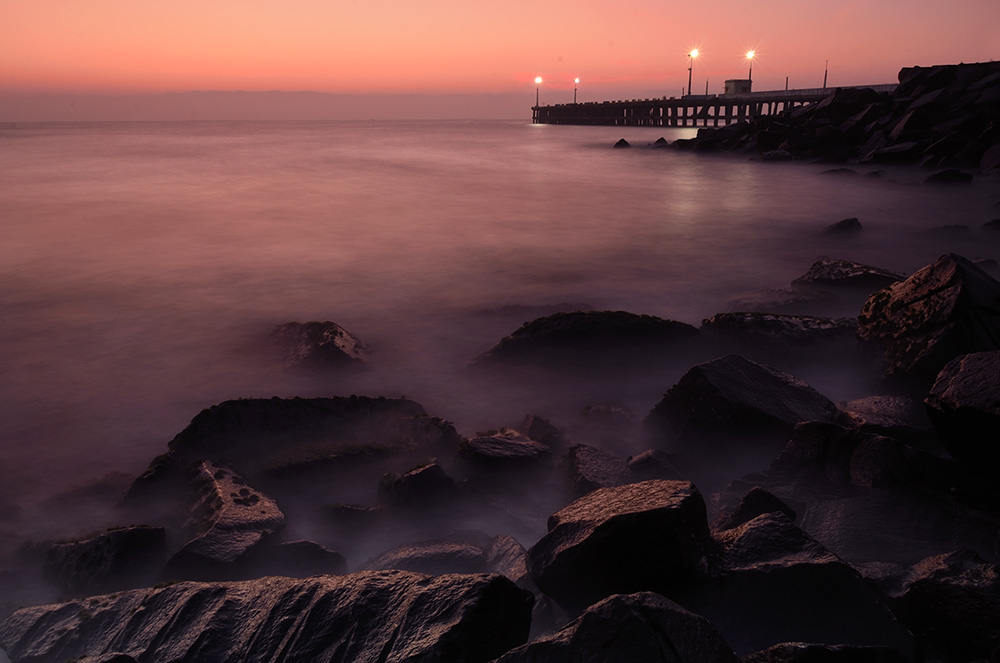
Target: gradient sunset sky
(623, 48)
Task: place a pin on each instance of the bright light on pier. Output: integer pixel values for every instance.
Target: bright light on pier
(693, 53)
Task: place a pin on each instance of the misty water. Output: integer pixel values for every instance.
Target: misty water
(143, 265)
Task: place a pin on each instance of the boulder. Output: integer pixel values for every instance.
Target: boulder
(802, 300)
(845, 228)
(944, 310)
(423, 486)
(801, 652)
(950, 176)
(298, 559)
(319, 345)
(365, 617)
(898, 416)
(621, 143)
(432, 557)
(951, 602)
(733, 409)
(542, 430)
(120, 558)
(653, 464)
(590, 468)
(774, 333)
(964, 406)
(847, 274)
(586, 340)
(643, 536)
(506, 449)
(229, 525)
(772, 583)
(757, 502)
(637, 627)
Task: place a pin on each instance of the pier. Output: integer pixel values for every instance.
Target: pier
(693, 110)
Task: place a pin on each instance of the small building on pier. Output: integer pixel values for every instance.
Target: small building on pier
(737, 86)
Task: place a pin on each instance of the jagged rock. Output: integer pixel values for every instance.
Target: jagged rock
(944, 310)
(120, 558)
(845, 228)
(427, 485)
(756, 502)
(642, 536)
(897, 416)
(964, 406)
(773, 332)
(506, 449)
(801, 652)
(772, 583)
(589, 339)
(622, 143)
(636, 627)
(229, 524)
(653, 464)
(432, 557)
(319, 345)
(847, 274)
(950, 176)
(363, 617)
(734, 404)
(590, 468)
(951, 602)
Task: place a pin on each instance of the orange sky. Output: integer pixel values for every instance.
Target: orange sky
(621, 47)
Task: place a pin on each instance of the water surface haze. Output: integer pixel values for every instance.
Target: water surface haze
(143, 264)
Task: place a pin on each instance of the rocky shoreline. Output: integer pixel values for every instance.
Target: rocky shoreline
(745, 516)
(366, 529)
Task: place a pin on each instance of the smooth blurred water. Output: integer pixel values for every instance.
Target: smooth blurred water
(141, 265)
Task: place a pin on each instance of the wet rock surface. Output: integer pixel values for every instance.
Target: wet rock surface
(319, 345)
(944, 310)
(370, 616)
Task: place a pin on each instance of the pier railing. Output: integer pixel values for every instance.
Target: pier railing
(691, 110)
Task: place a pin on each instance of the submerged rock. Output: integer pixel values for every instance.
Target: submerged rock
(643, 536)
(964, 406)
(802, 652)
(642, 627)
(319, 345)
(944, 310)
(589, 339)
(847, 274)
(772, 332)
(845, 228)
(364, 617)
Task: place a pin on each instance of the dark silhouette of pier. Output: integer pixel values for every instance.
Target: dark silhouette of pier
(693, 110)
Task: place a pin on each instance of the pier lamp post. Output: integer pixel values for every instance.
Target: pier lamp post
(538, 84)
(691, 56)
(576, 82)
(750, 57)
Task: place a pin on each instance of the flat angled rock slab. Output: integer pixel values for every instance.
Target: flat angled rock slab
(642, 627)
(368, 617)
(643, 536)
(947, 309)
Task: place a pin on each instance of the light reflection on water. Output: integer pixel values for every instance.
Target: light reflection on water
(141, 264)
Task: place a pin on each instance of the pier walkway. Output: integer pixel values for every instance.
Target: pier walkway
(693, 110)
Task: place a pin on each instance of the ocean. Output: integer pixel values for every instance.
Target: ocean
(142, 265)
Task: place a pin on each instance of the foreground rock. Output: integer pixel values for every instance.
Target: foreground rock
(802, 652)
(365, 617)
(589, 339)
(947, 309)
(964, 406)
(773, 583)
(636, 627)
(319, 345)
(648, 536)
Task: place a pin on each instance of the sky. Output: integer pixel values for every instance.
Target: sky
(365, 49)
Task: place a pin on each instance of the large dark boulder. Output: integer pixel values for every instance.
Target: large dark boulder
(948, 308)
(365, 617)
(642, 627)
(898, 416)
(951, 602)
(231, 522)
(772, 583)
(964, 406)
(319, 345)
(585, 340)
(590, 468)
(120, 558)
(756, 502)
(651, 535)
(732, 410)
(803, 652)
(298, 559)
(424, 486)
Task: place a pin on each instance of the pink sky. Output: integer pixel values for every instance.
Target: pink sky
(618, 49)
